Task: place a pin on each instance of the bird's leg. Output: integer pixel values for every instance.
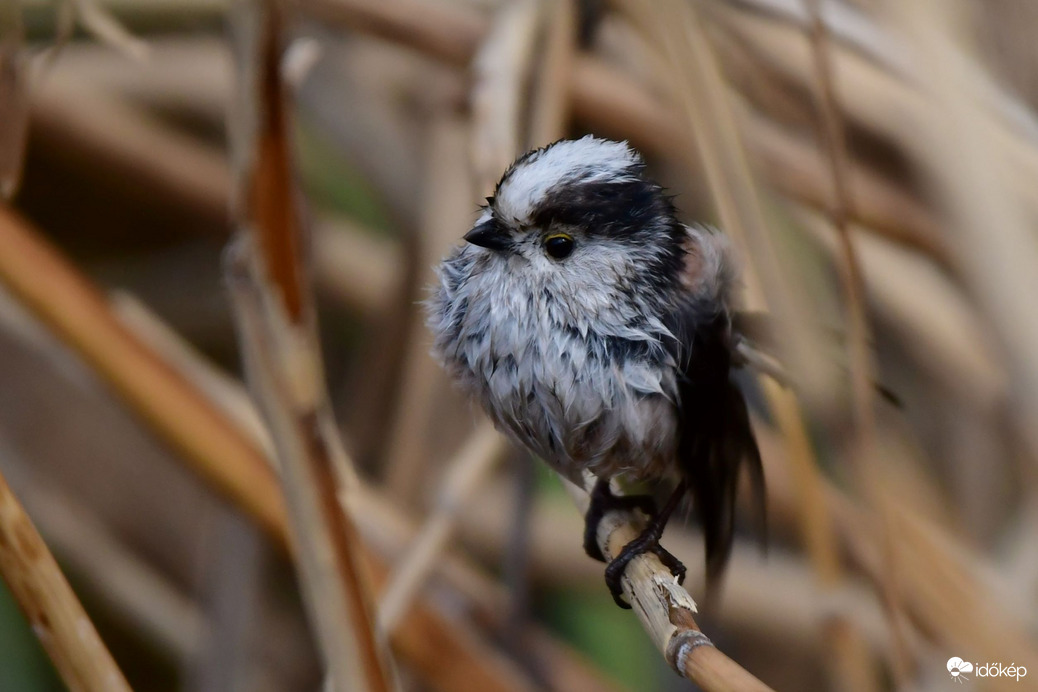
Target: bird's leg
(647, 542)
(604, 501)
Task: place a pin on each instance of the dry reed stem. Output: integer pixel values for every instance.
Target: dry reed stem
(664, 608)
(188, 74)
(355, 266)
(858, 32)
(463, 476)
(502, 69)
(884, 209)
(99, 21)
(601, 96)
(90, 127)
(14, 98)
(48, 603)
(549, 101)
(862, 445)
(446, 210)
(440, 29)
(104, 130)
(384, 527)
(108, 572)
(218, 387)
(271, 294)
(699, 87)
(329, 553)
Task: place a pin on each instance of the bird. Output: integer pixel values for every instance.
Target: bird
(601, 333)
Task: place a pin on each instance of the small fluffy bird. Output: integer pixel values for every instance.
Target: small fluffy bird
(597, 331)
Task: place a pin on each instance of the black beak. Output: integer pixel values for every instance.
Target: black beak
(490, 235)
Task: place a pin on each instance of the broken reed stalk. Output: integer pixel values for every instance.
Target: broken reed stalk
(664, 608)
(52, 609)
(273, 302)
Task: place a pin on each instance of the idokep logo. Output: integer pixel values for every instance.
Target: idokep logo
(960, 670)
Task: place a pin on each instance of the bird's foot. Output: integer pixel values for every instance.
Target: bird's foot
(647, 542)
(604, 501)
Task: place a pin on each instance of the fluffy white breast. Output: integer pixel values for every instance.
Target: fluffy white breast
(578, 375)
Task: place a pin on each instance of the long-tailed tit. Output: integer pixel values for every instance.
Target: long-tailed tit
(597, 331)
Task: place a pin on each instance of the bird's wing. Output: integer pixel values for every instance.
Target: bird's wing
(716, 440)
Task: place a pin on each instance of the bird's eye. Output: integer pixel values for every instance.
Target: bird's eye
(558, 245)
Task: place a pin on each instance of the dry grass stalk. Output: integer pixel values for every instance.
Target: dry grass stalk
(463, 476)
(446, 208)
(885, 104)
(940, 327)
(385, 528)
(858, 32)
(502, 68)
(665, 610)
(221, 389)
(549, 108)
(441, 29)
(50, 606)
(862, 447)
(601, 96)
(267, 272)
(99, 22)
(108, 572)
(329, 555)
(352, 267)
(356, 268)
(91, 128)
(747, 603)
(14, 98)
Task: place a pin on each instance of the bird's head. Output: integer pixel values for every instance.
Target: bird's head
(580, 212)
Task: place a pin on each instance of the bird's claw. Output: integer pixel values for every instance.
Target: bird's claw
(647, 542)
(604, 501)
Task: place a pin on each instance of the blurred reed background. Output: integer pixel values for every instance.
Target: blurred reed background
(875, 161)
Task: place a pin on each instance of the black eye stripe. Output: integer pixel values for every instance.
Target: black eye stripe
(606, 208)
